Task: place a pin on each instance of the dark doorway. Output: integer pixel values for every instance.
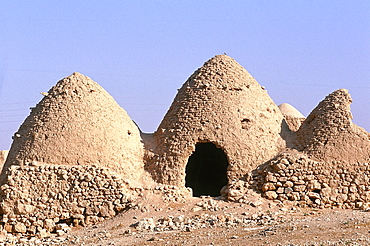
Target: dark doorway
(206, 170)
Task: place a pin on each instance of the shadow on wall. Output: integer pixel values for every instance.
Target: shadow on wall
(288, 135)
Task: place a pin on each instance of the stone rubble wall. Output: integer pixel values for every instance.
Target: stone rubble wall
(295, 177)
(37, 198)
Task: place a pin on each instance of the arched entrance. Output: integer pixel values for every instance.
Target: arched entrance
(206, 170)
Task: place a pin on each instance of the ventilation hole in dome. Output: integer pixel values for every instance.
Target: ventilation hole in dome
(235, 89)
(245, 122)
(206, 170)
(204, 122)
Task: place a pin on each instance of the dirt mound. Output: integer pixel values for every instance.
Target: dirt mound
(221, 104)
(329, 134)
(79, 123)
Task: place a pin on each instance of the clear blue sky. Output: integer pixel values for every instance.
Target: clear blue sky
(142, 51)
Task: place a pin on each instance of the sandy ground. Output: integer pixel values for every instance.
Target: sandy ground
(210, 221)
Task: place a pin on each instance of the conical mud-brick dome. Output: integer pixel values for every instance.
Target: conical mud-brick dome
(79, 123)
(292, 116)
(329, 134)
(290, 111)
(222, 104)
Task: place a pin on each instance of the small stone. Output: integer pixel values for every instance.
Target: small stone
(63, 227)
(20, 227)
(299, 182)
(313, 185)
(309, 177)
(64, 216)
(280, 190)
(313, 195)
(365, 207)
(178, 219)
(271, 195)
(78, 216)
(60, 233)
(234, 193)
(326, 192)
(280, 166)
(106, 210)
(294, 179)
(341, 198)
(24, 208)
(268, 186)
(299, 188)
(283, 179)
(353, 189)
(23, 241)
(8, 228)
(34, 163)
(31, 230)
(120, 207)
(288, 184)
(282, 197)
(90, 220)
(92, 210)
(49, 225)
(270, 178)
(256, 203)
(43, 233)
(295, 196)
(288, 190)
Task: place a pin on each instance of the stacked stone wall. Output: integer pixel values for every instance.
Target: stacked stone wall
(297, 178)
(37, 198)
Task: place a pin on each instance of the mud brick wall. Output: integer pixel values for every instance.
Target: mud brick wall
(297, 178)
(78, 123)
(36, 198)
(220, 103)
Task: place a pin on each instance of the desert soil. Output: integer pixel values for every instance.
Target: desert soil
(211, 221)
